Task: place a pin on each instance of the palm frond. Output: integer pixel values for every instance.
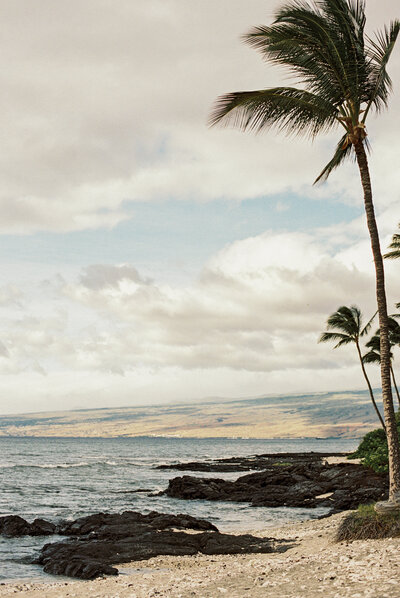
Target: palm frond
(371, 357)
(346, 319)
(393, 323)
(379, 51)
(392, 255)
(288, 109)
(368, 325)
(343, 151)
(313, 47)
(374, 342)
(394, 331)
(357, 11)
(374, 354)
(343, 339)
(395, 246)
(347, 20)
(302, 54)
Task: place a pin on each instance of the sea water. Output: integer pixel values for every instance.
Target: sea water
(66, 478)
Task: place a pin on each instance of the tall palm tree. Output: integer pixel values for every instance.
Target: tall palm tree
(394, 246)
(374, 346)
(347, 323)
(344, 78)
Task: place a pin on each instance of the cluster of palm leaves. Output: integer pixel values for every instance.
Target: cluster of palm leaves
(345, 326)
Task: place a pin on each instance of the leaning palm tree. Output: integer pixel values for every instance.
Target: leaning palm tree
(347, 324)
(394, 246)
(344, 78)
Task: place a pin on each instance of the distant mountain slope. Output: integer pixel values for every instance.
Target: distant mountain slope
(338, 414)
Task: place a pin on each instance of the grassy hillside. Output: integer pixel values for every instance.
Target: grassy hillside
(344, 414)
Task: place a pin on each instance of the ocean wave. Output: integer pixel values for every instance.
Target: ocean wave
(59, 465)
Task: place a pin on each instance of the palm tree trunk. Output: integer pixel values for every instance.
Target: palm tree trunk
(371, 394)
(395, 384)
(390, 420)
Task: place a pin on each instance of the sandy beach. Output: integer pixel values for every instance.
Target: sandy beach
(313, 566)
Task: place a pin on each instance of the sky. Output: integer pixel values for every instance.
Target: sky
(147, 258)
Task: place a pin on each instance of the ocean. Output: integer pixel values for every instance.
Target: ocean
(66, 478)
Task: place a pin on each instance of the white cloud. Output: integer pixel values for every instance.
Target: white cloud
(258, 305)
(10, 294)
(248, 325)
(103, 104)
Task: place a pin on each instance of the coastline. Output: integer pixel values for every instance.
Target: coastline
(55, 482)
(312, 566)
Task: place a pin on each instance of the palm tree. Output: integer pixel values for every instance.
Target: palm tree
(394, 246)
(344, 78)
(374, 346)
(347, 323)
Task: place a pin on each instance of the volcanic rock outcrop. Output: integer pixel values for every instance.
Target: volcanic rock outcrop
(302, 484)
(97, 542)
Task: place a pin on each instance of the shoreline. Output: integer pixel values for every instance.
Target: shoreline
(311, 566)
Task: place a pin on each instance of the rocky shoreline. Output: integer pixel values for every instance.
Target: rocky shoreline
(94, 544)
(312, 566)
(289, 480)
(253, 462)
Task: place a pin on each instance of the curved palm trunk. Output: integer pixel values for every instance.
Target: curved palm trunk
(371, 394)
(395, 384)
(391, 428)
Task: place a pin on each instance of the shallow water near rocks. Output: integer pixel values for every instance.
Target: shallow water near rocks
(66, 478)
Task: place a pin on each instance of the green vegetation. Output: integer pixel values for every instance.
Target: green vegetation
(373, 449)
(366, 524)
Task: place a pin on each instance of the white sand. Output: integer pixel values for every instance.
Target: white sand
(313, 566)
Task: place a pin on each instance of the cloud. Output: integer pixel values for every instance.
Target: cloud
(98, 277)
(10, 294)
(4, 351)
(105, 105)
(248, 324)
(258, 305)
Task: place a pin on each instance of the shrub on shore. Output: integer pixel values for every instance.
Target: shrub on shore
(367, 524)
(373, 449)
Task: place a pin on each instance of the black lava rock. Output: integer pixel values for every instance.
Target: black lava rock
(339, 487)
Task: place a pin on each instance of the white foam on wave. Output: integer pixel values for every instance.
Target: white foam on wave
(57, 465)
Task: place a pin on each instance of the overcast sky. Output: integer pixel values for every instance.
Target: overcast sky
(147, 258)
